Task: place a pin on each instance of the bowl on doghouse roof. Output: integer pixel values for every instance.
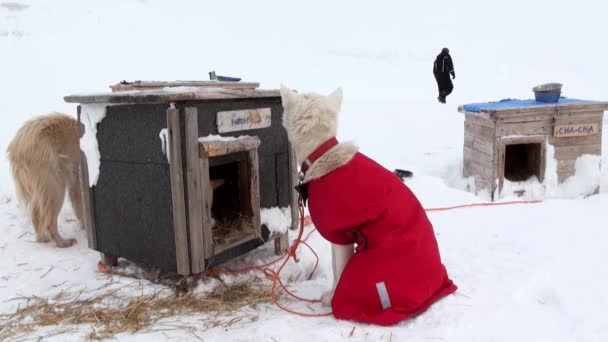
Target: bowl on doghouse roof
(548, 92)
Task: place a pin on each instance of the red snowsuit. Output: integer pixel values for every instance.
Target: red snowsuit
(396, 272)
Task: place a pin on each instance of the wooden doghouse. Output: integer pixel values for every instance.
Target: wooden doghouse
(508, 139)
(149, 161)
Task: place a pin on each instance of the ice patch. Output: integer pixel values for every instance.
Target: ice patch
(90, 116)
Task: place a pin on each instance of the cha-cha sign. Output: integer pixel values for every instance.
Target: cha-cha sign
(242, 120)
(575, 130)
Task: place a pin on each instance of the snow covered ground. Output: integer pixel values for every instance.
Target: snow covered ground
(526, 272)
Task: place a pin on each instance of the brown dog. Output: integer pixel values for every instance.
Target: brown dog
(44, 156)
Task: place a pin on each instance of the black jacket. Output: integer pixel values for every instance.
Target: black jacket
(443, 65)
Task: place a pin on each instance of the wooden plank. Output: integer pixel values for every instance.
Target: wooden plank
(160, 96)
(530, 139)
(87, 204)
(592, 115)
(473, 129)
(576, 120)
(575, 151)
(532, 117)
(243, 239)
(481, 119)
(293, 181)
(500, 167)
(243, 119)
(193, 180)
(595, 139)
(205, 84)
(86, 196)
(206, 203)
(482, 183)
(566, 165)
(216, 148)
(177, 193)
(576, 130)
(473, 168)
(528, 128)
(563, 175)
(480, 145)
(254, 186)
(478, 156)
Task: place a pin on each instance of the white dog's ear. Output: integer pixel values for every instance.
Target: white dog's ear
(287, 96)
(335, 99)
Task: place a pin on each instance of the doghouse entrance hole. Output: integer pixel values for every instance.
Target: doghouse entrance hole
(522, 161)
(231, 209)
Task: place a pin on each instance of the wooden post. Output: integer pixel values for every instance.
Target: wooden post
(206, 202)
(85, 197)
(177, 193)
(109, 260)
(293, 181)
(254, 186)
(281, 243)
(193, 179)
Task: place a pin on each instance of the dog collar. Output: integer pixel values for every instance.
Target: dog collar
(316, 154)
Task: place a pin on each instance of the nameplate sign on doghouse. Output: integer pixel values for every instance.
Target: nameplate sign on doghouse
(575, 130)
(241, 120)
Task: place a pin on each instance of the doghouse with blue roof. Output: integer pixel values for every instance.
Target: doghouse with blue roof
(509, 139)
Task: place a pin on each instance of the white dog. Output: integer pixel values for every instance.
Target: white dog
(395, 271)
(311, 119)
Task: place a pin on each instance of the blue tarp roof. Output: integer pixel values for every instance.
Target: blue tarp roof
(510, 103)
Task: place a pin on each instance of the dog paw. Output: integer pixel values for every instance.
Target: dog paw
(42, 238)
(327, 297)
(65, 243)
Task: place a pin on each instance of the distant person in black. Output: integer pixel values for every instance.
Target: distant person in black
(442, 69)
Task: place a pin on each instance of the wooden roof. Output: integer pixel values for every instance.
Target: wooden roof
(171, 94)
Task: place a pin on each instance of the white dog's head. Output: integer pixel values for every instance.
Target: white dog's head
(310, 119)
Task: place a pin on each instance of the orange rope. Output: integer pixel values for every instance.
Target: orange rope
(481, 205)
(304, 221)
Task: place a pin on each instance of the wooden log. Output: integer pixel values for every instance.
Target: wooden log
(219, 148)
(177, 193)
(195, 185)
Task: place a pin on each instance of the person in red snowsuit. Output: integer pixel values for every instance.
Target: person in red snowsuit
(395, 272)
